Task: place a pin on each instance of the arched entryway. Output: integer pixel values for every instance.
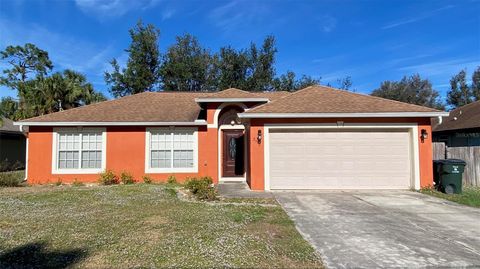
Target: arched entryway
(232, 144)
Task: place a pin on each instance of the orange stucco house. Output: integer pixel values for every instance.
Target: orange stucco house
(315, 138)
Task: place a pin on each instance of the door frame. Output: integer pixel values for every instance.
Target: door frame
(411, 127)
(239, 127)
(239, 134)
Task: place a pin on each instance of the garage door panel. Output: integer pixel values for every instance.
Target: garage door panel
(339, 160)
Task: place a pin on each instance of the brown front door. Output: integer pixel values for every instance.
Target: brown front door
(233, 158)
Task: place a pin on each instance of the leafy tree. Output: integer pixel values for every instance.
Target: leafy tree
(233, 68)
(306, 81)
(59, 91)
(413, 90)
(460, 93)
(345, 83)
(289, 82)
(187, 66)
(8, 107)
(262, 65)
(40, 93)
(142, 71)
(25, 62)
(476, 84)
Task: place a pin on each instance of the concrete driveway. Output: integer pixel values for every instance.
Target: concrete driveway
(372, 229)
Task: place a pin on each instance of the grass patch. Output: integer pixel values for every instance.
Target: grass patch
(470, 196)
(142, 225)
(12, 179)
(261, 201)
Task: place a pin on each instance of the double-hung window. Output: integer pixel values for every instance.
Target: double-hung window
(78, 151)
(171, 150)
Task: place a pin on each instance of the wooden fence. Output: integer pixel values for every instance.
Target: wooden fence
(471, 155)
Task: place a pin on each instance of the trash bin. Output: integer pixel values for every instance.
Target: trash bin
(436, 172)
(449, 173)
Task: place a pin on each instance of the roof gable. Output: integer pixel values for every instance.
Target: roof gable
(231, 93)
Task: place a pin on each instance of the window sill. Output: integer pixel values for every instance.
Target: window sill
(170, 170)
(76, 171)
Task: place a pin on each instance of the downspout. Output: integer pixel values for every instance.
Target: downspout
(24, 130)
(440, 120)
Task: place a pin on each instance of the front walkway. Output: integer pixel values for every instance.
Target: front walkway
(240, 190)
(385, 229)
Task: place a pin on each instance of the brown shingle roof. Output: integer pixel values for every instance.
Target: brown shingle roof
(142, 107)
(231, 93)
(465, 117)
(182, 107)
(321, 99)
(236, 93)
(272, 95)
(146, 107)
(6, 126)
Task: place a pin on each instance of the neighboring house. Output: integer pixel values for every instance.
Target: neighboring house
(461, 128)
(315, 138)
(12, 145)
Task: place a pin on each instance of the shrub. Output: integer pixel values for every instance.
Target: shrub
(6, 165)
(17, 165)
(172, 179)
(108, 178)
(202, 188)
(147, 179)
(10, 179)
(77, 183)
(126, 178)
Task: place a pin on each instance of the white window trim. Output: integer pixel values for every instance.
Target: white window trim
(56, 170)
(148, 135)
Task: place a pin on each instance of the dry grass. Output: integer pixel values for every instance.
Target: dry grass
(470, 195)
(142, 225)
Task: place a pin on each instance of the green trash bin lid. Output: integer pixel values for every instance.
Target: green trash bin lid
(452, 162)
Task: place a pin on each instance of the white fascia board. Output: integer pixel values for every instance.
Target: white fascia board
(230, 100)
(114, 123)
(343, 115)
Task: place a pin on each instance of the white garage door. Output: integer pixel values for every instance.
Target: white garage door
(322, 159)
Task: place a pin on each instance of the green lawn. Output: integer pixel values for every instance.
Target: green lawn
(470, 196)
(142, 226)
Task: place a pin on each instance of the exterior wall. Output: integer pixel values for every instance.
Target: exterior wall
(12, 148)
(425, 154)
(257, 174)
(459, 138)
(256, 165)
(125, 152)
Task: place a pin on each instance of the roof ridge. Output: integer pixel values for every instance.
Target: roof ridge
(469, 104)
(290, 94)
(231, 90)
(180, 92)
(376, 97)
(280, 98)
